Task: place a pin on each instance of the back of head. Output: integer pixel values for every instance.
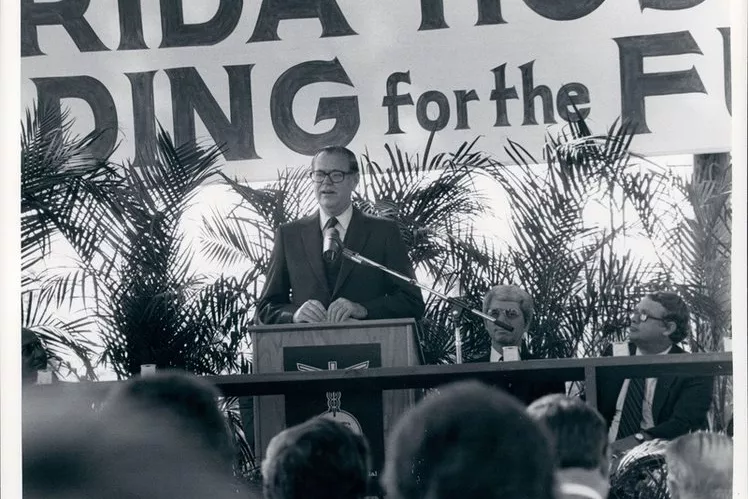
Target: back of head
(579, 433)
(676, 311)
(469, 440)
(70, 452)
(189, 402)
(700, 465)
(318, 459)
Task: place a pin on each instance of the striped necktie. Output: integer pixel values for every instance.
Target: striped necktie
(332, 268)
(631, 414)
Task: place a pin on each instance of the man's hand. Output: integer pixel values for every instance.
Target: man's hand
(342, 309)
(310, 311)
(624, 445)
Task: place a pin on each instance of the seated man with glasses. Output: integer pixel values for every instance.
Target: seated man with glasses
(666, 407)
(514, 306)
(301, 286)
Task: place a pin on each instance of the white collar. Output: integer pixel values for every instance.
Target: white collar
(667, 350)
(578, 489)
(496, 356)
(344, 218)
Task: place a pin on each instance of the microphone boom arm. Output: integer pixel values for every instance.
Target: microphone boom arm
(362, 260)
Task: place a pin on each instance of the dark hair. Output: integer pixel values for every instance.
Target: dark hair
(318, 459)
(189, 402)
(71, 451)
(578, 431)
(352, 161)
(469, 440)
(676, 311)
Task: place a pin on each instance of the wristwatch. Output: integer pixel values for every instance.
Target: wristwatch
(641, 437)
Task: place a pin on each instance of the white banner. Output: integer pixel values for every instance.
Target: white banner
(275, 80)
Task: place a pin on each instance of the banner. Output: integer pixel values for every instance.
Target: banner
(273, 81)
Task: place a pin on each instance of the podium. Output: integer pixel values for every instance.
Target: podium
(323, 346)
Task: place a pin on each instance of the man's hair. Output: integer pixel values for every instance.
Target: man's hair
(676, 311)
(700, 465)
(347, 153)
(189, 403)
(510, 292)
(579, 433)
(468, 440)
(318, 459)
(71, 451)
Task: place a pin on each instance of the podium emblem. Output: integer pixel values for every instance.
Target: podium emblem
(334, 411)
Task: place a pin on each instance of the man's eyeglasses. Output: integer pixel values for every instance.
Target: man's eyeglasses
(644, 316)
(509, 313)
(336, 176)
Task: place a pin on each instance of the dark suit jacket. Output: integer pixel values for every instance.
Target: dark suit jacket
(297, 273)
(526, 390)
(679, 405)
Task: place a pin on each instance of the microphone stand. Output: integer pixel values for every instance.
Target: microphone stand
(457, 320)
(459, 305)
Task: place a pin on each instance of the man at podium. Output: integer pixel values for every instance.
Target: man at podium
(302, 286)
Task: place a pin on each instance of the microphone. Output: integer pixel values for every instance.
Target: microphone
(331, 244)
(333, 247)
(462, 305)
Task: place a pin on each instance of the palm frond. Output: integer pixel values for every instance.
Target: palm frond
(61, 338)
(245, 461)
(63, 189)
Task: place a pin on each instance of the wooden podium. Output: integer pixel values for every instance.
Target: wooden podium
(318, 347)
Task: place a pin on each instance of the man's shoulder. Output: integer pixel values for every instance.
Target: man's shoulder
(483, 357)
(676, 349)
(375, 223)
(299, 222)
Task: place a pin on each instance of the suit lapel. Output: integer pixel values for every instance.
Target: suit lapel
(311, 236)
(355, 239)
(662, 388)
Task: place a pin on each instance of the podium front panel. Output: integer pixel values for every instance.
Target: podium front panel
(317, 347)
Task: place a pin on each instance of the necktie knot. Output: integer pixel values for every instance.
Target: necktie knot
(331, 222)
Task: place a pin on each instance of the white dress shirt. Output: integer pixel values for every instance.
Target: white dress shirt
(495, 356)
(649, 389)
(344, 220)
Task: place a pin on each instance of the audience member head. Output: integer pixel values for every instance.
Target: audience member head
(580, 441)
(335, 176)
(510, 304)
(660, 320)
(34, 356)
(70, 452)
(579, 433)
(700, 465)
(318, 459)
(468, 440)
(190, 402)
